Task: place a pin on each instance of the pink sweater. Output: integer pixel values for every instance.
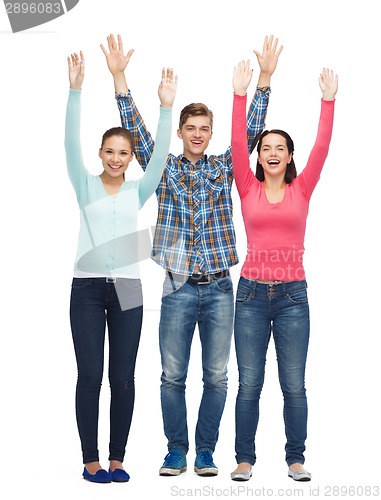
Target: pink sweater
(275, 231)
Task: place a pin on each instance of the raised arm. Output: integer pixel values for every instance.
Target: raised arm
(167, 92)
(309, 177)
(242, 172)
(267, 61)
(117, 62)
(74, 161)
(130, 117)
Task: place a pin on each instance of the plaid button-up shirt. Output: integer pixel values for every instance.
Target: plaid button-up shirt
(195, 210)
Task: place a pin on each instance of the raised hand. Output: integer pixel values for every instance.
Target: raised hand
(76, 64)
(167, 88)
(268, 60)
(116, 60)
(242, 77)
(329, 83)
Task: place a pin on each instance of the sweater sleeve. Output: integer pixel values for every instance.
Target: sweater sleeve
(151, 178)
(311, 173)
(74, 161)
(243, 174)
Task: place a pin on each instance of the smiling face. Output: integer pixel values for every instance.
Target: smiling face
(274, 155)
(116, 154)
(196, 134)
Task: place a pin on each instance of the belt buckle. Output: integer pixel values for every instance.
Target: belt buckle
(197, 277)
(110, 280)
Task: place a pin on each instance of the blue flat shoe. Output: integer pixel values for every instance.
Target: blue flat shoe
(119, 475)
(101, 476)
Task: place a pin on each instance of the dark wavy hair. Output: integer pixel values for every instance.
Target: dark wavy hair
(291, 173)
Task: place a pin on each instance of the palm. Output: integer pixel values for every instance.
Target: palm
(268, 60)
(167, 88)
(76, 70)
(116, 60)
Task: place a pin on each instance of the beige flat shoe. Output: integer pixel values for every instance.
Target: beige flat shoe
(299, 476)
(241, 476)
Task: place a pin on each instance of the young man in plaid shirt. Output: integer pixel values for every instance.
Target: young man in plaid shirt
(195, 243)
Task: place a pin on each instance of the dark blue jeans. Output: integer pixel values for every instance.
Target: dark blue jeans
(95, 303)
(282, 310)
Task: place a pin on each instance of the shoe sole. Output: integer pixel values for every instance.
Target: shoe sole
(306, 478)
(240, 477)
(166, 471)
(206, 471)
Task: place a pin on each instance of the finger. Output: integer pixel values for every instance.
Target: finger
(270, 42)
(265, 44)
(129, 54)
(120, 43)
(111, 42)
(275, 45)
(104, 50)
(279, 51)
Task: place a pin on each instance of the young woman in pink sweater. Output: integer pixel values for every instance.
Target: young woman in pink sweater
(272, 292)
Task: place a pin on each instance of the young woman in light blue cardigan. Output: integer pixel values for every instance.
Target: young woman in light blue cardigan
(106, 288)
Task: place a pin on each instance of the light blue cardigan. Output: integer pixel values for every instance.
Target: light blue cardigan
(109, 243)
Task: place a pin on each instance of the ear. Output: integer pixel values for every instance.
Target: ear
(179, 133)
(100, 153)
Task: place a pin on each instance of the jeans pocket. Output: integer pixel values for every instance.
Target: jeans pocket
(244, 291)
(224, 284)
(298, 296)
(171, 286)
(81, 282)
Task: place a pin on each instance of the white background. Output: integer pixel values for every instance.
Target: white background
(202, 41)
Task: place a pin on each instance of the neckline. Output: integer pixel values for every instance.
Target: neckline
(275, 202)
(108, 194)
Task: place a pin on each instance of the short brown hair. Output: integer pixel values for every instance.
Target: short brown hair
(195, 109)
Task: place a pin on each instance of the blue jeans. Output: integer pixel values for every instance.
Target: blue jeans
(261, 310)
(95, 303)
(184, 305)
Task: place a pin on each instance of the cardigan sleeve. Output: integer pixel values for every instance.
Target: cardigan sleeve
(74, 161)
(151, 178)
